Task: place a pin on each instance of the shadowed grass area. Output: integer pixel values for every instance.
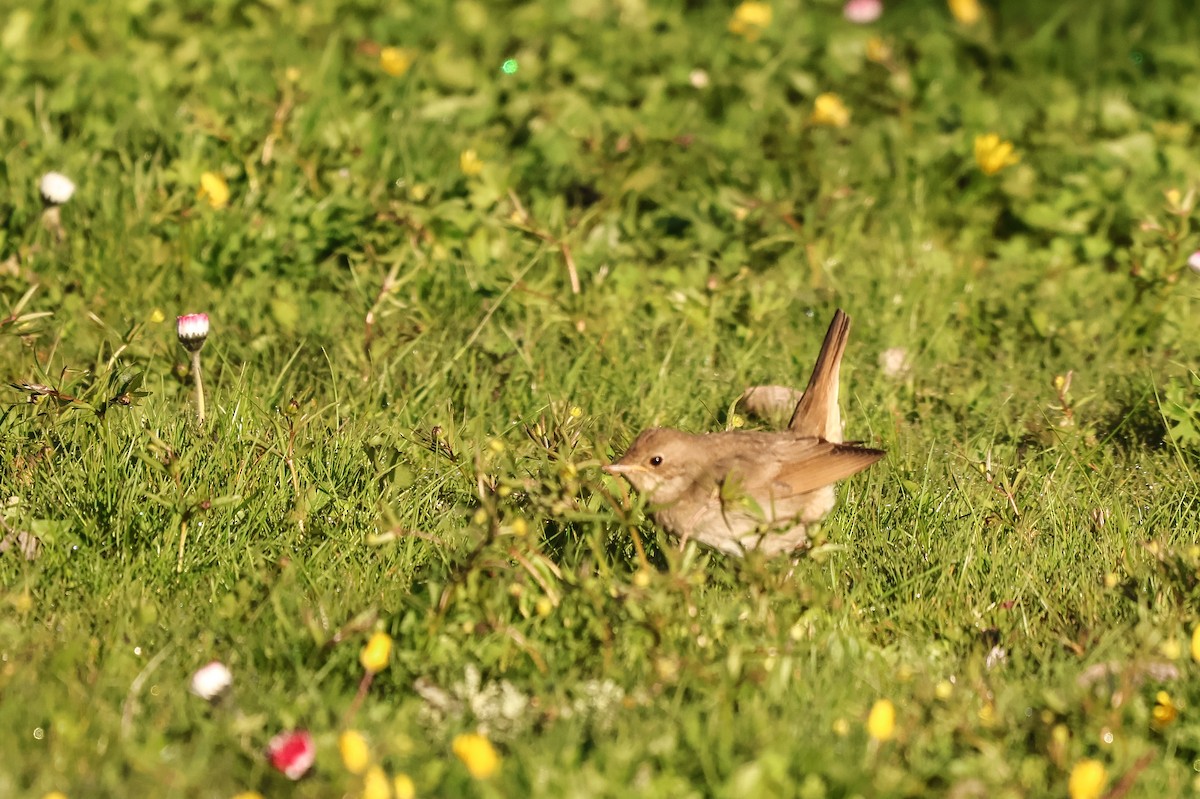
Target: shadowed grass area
(453, 278)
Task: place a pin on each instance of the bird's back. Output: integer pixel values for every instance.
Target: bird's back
(761, 490)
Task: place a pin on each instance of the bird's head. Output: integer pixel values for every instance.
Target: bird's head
(661, 464)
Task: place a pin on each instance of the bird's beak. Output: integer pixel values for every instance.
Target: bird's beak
(619, 468)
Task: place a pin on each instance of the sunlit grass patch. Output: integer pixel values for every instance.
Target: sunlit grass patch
(455, 257)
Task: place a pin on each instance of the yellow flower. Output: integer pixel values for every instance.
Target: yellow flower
(469, 163)
(55, 795)
(1180, 204)
(1060, 734)
(1087, 780)
(1196, 644)
(214, 189)
(157, 316)
(375, 784)
(1164, 711)
(292, 74)
(828, 109)
(395, 61)
(403, 787)
(356, 755)
(967, 12)
(375, 655)
(881, 722)
(248, 795)
(477, 754)
(878, 51)
(750, 19)
(993, 153)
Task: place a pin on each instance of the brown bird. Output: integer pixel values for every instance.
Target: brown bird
(747, 490)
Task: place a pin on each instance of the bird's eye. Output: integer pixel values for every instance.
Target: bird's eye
(656, 460)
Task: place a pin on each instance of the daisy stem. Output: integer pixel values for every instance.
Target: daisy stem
(199, 387)
(182, 540)
(52, 219)
(363, 686)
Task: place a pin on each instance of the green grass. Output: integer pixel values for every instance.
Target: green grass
(351, 479)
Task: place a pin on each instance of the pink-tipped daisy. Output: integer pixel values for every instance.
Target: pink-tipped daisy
(862, 12)
(1194, 262)
(193, 330)
(292, 753)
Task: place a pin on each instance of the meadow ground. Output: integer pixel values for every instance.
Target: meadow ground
(456, 255)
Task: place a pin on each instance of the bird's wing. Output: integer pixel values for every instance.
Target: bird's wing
(793, 465)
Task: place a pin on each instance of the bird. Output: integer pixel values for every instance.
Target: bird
(743, 490)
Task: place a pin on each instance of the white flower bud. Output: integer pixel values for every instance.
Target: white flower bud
(211, 681)
(56, 188)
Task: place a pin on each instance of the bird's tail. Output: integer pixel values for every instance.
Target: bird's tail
(817, 413)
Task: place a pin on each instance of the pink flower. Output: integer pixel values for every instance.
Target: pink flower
(1194, 261)
(862, 12)
(193, 330)
(292, 753)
